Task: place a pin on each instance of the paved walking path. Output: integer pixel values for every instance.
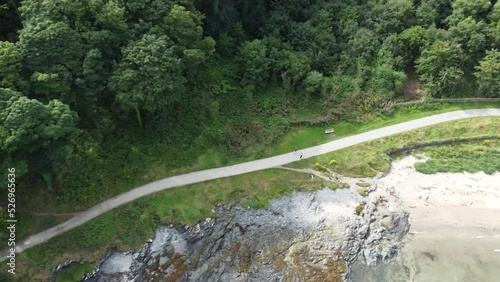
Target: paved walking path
(210, 174)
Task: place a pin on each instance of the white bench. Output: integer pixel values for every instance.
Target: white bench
(329, 131)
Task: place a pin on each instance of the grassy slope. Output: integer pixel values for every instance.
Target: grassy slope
(128, 226)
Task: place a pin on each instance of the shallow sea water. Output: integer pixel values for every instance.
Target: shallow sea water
(438, 259)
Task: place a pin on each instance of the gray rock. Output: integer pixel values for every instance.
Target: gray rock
(297, 238)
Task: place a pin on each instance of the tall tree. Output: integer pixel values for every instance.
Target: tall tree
(440, 65)
(488, 74)
(184, 28)
(34, 133)
(149, 77)
(255, 62)
(321, 42)
(11, 66)
(471, 35)
(468, 8)
(53, 53)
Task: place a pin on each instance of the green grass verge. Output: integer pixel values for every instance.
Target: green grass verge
(314, 135)
(470, 157)
(364, 160)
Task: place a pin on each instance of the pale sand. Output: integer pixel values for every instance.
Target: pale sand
(455, 222)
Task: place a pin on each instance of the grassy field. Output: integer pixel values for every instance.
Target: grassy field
(130, 225)
(470, 157)
(364, 160)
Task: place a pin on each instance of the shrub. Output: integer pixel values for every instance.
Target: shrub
(359, 209)
(332, 162)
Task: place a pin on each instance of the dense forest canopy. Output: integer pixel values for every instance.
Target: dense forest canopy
(74, 72)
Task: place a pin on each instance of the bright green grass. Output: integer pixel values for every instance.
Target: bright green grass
(74, 273)
(364, 160)
(470, 157)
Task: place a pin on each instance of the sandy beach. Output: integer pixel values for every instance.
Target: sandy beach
(455, 222)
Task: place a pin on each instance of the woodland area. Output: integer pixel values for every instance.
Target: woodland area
(90, 87)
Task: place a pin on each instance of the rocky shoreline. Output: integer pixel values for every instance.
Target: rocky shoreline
(320, 237)
(310, 236)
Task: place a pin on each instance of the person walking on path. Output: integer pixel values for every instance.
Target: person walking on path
(301, 155)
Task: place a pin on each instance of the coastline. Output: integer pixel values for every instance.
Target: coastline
(453, 235)
(454, 222)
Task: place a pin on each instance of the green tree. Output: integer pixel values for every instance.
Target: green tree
(494, 15)
(385, 81)
(488, 74)
(295, 68)
(439, 66)
(30, 129)
(10, 66)
(470, 34)
(314, 82)
(184, 28)
(426, 13)
(468, 8)
(410, 41)
(255, 62)
(149, 77)
(321, 42)
(53, 53)
(495, 34)
(364, 43)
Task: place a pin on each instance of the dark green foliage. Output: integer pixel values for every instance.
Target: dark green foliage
(488, 74)
(10, 20)
(440, 67)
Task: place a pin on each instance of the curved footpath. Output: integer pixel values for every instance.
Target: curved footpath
(210, 174)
